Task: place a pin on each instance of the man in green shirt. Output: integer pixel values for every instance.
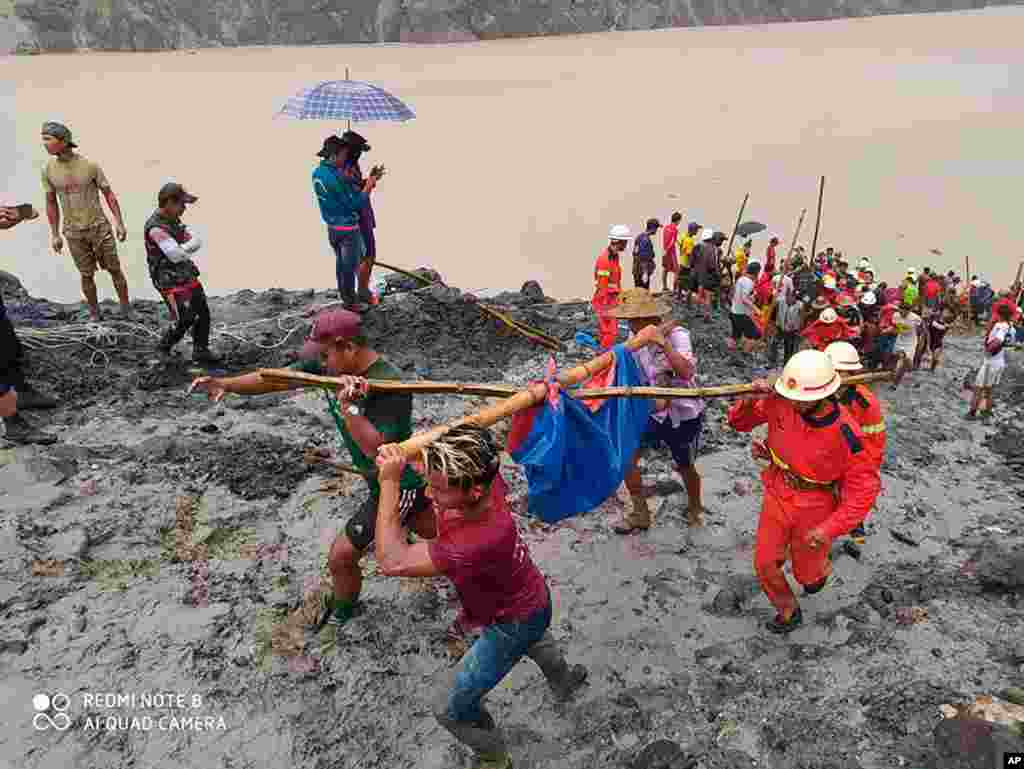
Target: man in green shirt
(338, 347)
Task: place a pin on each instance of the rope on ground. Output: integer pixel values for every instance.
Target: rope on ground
(95, 335)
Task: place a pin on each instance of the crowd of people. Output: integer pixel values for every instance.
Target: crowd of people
(825, 439)
(785, 302)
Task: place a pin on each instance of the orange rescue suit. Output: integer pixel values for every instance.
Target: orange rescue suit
(864, 407)
(821, 334)
(608, 285)
(821, 475)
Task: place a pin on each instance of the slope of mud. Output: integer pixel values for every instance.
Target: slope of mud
(169, 544)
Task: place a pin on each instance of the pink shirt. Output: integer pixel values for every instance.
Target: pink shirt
(489, 563)
(659, 373)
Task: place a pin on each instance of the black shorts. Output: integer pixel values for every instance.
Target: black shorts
(683, 440)
(362, 527)
(684, 273)
(743, 326)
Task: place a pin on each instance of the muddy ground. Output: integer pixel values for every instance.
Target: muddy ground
(171, 545)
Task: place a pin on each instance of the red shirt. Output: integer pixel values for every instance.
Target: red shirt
(489, 563)
(607, 275)
(769, 259)
(821, 334)
(932, 289)
(668, 238)
(1009, 303)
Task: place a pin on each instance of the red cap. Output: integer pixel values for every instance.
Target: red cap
(328, 326)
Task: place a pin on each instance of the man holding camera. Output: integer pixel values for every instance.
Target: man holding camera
(344, 199)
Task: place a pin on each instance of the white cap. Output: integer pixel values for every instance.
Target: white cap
(619, 232)
(844, 356)
(707, 234)
(869, 299)
(828, 315)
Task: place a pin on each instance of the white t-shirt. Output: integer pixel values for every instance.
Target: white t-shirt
(998, 333)
(906, 326)
(744, 290)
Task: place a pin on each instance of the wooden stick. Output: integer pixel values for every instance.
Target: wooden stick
(739, 216)
(796, 234)
(817, 222)
(533, 334)
(508, 391)
(536, 393)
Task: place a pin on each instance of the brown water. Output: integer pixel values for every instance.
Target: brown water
(525, 151)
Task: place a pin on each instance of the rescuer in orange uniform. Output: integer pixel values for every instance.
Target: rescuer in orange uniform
(828, 328)
(864, 407)
(608, 285)
(820, 484)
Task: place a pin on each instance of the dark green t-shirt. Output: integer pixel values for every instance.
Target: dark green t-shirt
(389, 413)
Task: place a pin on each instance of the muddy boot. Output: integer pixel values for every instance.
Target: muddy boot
(336, 612)
(31, 398)
(19, 431)
(638, 519)
(563, 678)
(484, 737)
(204, 355)
(781, 626)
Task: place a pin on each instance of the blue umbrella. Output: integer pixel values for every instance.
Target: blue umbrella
(350, 100)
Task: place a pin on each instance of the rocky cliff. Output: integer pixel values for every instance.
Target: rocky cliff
(28, 26)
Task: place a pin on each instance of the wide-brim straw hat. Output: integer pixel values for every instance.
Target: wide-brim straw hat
(638, 303)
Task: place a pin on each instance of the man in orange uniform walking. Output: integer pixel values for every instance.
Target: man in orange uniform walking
(608, 285)
(820, 484)
(864, 407)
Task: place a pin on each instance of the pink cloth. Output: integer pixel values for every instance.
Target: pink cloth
(489, 563)
(659, 373)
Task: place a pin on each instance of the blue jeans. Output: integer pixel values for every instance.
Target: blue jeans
(490, 659)
(349, 249)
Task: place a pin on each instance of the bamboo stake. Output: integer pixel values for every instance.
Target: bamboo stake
(534, 334)
(817, 222)
(739, 216)
(796, 234)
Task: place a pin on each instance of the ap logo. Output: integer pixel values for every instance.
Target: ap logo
(42, 720)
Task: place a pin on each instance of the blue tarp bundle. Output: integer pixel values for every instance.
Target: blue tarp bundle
(574, 458)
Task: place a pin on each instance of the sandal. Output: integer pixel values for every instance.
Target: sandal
(780, 626)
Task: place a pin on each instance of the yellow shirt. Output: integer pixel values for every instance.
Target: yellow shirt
(741, 261)
(77, 183)
(686, 244)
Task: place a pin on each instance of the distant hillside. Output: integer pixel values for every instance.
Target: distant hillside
(29, 26)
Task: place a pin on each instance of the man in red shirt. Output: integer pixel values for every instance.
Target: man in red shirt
(819, 484)
(1006, 297)
(608, 285)
(770, 254)
(670, 258)
(479, 549)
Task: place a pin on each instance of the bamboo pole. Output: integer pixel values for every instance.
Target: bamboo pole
(533, 334)
(509, 391)
(817, 221)
(796, 234)
(739, 217)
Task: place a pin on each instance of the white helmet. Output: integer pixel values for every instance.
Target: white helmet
(828, 315)
(707, 233)
(809, 376)
(844, 356)
(619, 232)
(869, 299)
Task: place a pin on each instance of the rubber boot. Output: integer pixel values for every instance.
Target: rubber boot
(563, 678)
(484, 737)
(30, 398)
(18, 430)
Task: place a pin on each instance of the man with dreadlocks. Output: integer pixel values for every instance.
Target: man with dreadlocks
(478, 547)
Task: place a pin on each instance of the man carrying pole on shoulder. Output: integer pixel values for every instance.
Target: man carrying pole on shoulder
(820, 484)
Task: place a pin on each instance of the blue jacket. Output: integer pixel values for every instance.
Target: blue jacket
(339, 198)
